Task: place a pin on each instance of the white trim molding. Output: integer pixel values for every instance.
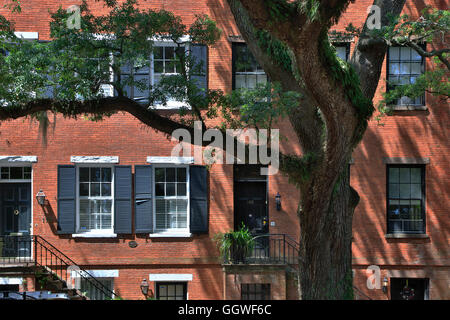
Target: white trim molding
(98, 273)
(7, 281)
(94, 159)
(27, 35)
(171, 160)
(18, 159)
(170, 276)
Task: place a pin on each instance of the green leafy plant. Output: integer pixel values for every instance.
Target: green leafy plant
(234, 246)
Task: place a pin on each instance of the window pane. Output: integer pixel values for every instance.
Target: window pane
(416, 175)
(84, 189)
(170, 189)
(158, 52)
(394, 209)
(405, 191)
(95, 190)
(106, 175)
(181, 174)
(393, 175)
(16, 173)
(159, 66)
(394, 53)
(159, 189)
(170, 174)
(404, 209)
(95, 175)
(5, 173)
(106, 189)
(159, 174)
(415, 56)
(404, 175)
(181, 189)
(416, 191)
(240, 81)
(169, 53)
(394, 191)
(405, 53)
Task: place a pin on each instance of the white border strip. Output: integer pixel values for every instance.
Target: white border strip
(94, 159)
(98, 273)
(5, 280)
(170, 276)
(26, 159)
(27, 35)
(173, 160)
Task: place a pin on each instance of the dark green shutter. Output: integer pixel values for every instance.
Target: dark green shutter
(122, 199)
(200, 55)
(198, 199)
(143, 207)
(66, 199)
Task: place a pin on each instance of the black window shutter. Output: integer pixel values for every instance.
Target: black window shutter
(200, 55)
(122, 199)
(66, 199)
(198, 199)
(143, 207)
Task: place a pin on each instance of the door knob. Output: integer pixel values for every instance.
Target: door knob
(16, 212)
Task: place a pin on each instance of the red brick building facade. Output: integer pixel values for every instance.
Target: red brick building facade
(414, 142)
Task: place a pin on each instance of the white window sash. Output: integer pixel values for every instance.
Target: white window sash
(109, 231)
(169, 231)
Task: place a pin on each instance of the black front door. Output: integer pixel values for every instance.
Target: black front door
(15, 219)
(250, 199)
(250, 205)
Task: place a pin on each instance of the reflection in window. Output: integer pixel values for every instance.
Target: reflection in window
(247, 73)
(404, 66)
(406, 199)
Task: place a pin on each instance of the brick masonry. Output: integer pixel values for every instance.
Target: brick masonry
(407, 134)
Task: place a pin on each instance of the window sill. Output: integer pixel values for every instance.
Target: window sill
(408, 108)
(170, 235)
(406, 236)
(94, 235)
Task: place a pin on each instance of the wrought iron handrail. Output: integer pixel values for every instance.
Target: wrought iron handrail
(267, 249)
(51, 258)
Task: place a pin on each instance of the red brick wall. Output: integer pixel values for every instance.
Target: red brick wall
(406, 134)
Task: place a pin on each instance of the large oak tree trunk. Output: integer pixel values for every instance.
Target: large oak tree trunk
(325, 244)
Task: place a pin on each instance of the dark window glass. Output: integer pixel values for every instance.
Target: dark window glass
(247, 73)
(171, 290)
(404, 66)
(255, 291)
(406, 199)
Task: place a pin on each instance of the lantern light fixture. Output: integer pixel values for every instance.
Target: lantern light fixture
(40, 197)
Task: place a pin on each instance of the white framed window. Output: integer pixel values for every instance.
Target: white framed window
(171, 200)
(95, 200)
(247, 73)
(162, 62)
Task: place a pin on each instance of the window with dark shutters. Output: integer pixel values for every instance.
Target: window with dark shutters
(66, 199)
(198, 199)
(122, 200)
(143, 206)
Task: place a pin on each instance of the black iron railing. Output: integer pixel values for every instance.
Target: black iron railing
(267, 249)
(37, 251)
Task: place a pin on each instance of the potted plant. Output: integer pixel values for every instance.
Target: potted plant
(235, 246)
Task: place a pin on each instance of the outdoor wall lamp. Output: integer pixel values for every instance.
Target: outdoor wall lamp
(278, 201)
(144, 287)
(40, 197)
(385, 284)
